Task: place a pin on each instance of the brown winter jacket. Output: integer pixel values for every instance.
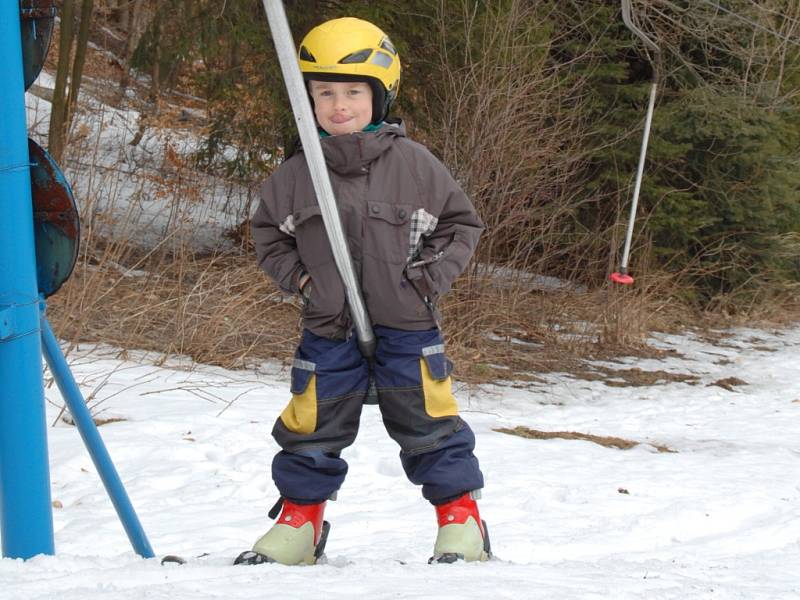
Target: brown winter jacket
(399, 207)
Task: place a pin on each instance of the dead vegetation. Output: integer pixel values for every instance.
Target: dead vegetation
(602, 440)
(218, 310)
(216, 307)
(221, 309)
(729, 383)
(636, 377)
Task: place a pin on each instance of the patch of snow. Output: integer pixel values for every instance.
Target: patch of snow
(147, 194)
(506, 277)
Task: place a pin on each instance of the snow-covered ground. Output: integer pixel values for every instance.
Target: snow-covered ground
(717, 518)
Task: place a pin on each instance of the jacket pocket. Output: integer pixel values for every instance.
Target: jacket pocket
(324, 307)
(388, 231)
(311, 236)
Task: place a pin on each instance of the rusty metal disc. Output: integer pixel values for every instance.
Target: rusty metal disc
(56, 226)
(36, 21)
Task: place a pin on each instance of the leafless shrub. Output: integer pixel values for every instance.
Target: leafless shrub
(507, 132)
(508, 121)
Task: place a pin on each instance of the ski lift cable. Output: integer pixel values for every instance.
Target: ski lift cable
(621, 276)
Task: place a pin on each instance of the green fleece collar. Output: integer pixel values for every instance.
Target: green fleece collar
(368, 129)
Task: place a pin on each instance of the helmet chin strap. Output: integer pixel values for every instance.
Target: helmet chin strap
(380, 107)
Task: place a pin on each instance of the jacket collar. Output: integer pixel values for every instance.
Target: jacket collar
(349, 154)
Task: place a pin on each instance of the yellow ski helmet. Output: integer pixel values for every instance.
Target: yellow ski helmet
(350, 49)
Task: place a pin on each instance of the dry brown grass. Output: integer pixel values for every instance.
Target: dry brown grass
(218, 310)
(602, 440)
(222, 310)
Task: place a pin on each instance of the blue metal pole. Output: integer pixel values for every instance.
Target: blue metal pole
(93, 442)
(26, 518)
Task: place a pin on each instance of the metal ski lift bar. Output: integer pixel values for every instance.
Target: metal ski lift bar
(621, 276)
(627, 17)
(306, 125)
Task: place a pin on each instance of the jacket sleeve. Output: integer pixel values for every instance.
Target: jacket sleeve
(447, 250)
(273, 231)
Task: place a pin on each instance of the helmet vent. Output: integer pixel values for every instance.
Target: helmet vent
(388, 46)
(356, 57)
(306, 55)
(382, 60)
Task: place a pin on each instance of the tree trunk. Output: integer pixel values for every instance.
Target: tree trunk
(121, 13)
(80, 59)
(136, 29)
(58, 112)
(155, 73)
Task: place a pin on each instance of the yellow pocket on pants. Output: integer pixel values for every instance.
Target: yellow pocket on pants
(300, 415)
(437, 387)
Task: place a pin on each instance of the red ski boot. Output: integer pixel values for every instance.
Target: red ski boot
(297, 537)
(462, 534)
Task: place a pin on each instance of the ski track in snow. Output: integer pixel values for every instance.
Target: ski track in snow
(719, 518)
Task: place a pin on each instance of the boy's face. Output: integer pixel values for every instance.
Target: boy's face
(342, 106)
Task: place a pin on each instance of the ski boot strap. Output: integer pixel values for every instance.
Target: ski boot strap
(457, 511)
(296, 515)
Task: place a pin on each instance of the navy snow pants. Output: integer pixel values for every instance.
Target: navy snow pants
(329, 386)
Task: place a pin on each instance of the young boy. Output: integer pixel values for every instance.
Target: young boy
(411, 231)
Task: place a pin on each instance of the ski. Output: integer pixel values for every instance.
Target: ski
(174, 559)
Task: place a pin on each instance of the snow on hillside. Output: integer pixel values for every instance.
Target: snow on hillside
(717, 517)
(143, 192)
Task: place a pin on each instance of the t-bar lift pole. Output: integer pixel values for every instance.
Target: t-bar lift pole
(26, 521)
(621, 276)
(26, 518)
(301, 107)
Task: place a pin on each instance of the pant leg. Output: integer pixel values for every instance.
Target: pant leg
(329, 382)
(412, 376)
